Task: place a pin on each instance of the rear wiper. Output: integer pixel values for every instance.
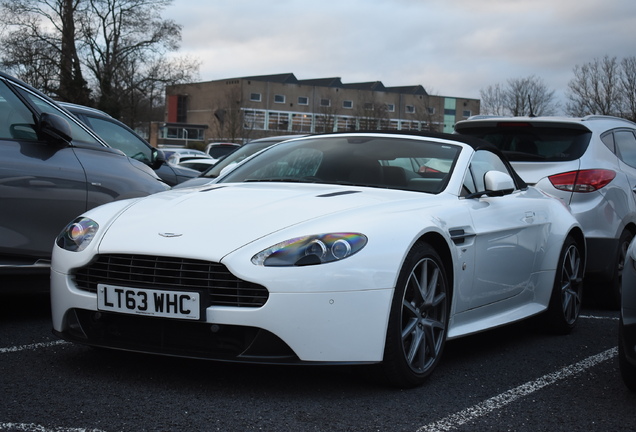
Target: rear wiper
(518, 156)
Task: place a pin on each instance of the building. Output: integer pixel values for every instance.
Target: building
(240, 109)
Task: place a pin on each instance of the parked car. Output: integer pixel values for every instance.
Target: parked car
(627, 323)
(588, 162)
(53, 168)
(218, 150)
(175, 154)
(246, 150)
(329, 249)
(198, 164)
(119, 136)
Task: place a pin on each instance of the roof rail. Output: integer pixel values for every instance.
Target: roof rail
(606, 117)
(485, 116)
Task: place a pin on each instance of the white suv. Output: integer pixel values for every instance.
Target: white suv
(590, 163)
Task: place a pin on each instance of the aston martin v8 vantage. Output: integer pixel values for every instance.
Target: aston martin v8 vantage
(345, 248)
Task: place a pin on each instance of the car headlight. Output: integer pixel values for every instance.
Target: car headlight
(77, 235)
(311, 250)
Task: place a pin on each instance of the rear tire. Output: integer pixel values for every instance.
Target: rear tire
(418, 322)
(567, 291)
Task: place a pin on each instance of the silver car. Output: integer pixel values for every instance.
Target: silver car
(590, 163)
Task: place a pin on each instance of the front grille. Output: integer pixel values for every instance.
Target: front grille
(175, 274)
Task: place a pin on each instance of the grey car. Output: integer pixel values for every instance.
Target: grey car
(53, 168)
(588, 162)
(627, 322)
(119, 136)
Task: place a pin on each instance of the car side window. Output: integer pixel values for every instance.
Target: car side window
(483, 161)
(121, 139)
(77, 132)
(16, 120)
(626, 146)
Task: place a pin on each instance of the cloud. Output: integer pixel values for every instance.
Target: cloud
(455, 48)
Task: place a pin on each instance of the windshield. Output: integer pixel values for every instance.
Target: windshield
(235, 157)
(361, 160)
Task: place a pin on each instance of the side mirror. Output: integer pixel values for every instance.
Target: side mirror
(157, 158)
(55, 127)
(497, 181)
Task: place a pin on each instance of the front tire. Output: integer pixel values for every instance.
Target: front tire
(567, 292)
(616, 283)
(628, 370)
(418, 322)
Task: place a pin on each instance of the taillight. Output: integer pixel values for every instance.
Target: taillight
(582, 181)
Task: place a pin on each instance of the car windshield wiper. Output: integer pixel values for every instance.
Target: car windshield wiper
(283, 180)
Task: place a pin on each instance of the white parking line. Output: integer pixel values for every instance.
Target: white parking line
(466, 416)
(30, 427)
(599, 317)
(32, 346)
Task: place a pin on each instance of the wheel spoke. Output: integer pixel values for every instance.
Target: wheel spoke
(571, 285)
(423, 315)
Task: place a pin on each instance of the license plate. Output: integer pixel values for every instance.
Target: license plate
(158, 303)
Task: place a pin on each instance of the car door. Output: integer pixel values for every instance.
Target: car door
(508, 233)
(42, 185)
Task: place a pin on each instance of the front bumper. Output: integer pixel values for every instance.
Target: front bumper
(309, 327)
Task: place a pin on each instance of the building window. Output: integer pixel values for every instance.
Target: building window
(279, 98)
(368, 106)
(431, 110)
(345, 124)
(278, 121)
(410, 109)
(449, 112)
(182, 108)
(390, 108)
(254, 119)
(325, 102)
(186, 134)
(466, 113)
(255, 97)
(303, 100)
(347, 104)
(301, 122)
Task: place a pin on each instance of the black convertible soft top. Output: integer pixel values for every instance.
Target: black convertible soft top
(475, 143)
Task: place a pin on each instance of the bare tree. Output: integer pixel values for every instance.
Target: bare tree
(119, 46)
(520, 97)
(40, 46)
(230, 121)
(628, 88)
(121, 37)
(595, 88)
(493, 100)
(327, 116)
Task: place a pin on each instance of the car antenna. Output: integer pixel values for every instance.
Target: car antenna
(531, 111)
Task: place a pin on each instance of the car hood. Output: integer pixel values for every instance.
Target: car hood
(219, 219)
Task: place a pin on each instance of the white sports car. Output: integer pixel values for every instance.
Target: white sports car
(352, 248)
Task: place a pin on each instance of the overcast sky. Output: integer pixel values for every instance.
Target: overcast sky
(451, 47)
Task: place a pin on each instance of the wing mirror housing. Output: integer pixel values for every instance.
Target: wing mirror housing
(158, 158)
(56, 128)
(498, 182)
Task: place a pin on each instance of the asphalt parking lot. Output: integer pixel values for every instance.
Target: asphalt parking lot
(512, 379)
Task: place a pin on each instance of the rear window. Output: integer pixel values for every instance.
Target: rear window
(529, 143)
